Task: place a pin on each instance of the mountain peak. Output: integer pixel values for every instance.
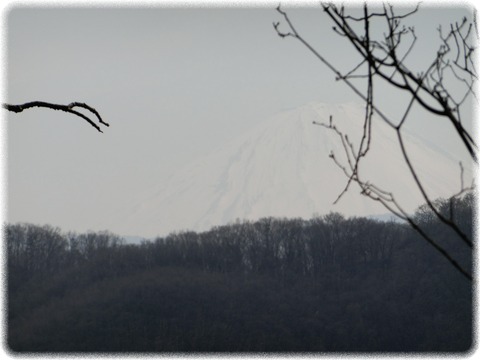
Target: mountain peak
(282, 168)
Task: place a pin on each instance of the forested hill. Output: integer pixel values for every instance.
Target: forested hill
(274, 285)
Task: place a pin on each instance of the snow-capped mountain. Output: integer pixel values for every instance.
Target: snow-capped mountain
(282, 168)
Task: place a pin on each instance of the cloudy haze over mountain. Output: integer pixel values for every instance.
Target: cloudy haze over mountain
(281, 168)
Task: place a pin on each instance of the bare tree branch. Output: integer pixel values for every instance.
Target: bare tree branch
(67, 108)
(409, 81)
(428, 88)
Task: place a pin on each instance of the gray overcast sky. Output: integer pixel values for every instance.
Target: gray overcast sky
(174, 83)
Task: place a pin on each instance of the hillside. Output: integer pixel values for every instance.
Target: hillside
(329, 284)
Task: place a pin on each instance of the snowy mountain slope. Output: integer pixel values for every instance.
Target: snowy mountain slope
(282, 168)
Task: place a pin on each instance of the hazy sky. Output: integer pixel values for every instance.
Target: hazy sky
(174, 83)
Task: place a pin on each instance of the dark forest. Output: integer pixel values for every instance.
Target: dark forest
(328, 284)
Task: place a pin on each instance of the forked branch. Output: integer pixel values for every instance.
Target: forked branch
(70, 108)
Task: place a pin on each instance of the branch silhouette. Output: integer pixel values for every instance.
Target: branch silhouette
(70, 108)
(382, 59)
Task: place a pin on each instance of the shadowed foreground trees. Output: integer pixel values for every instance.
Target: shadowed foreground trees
(274, 285)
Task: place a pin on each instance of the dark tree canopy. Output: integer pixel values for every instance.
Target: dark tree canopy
(329, 284)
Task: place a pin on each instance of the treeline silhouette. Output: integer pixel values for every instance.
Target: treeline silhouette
(329, 284)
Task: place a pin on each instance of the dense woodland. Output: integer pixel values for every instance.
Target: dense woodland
(329, 284)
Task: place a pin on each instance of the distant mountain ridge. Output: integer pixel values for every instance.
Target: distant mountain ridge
(281, 168)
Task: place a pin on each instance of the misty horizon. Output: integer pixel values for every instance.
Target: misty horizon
(175, 84)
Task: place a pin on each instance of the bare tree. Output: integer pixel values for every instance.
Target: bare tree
(70, 108)
(383, 58)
